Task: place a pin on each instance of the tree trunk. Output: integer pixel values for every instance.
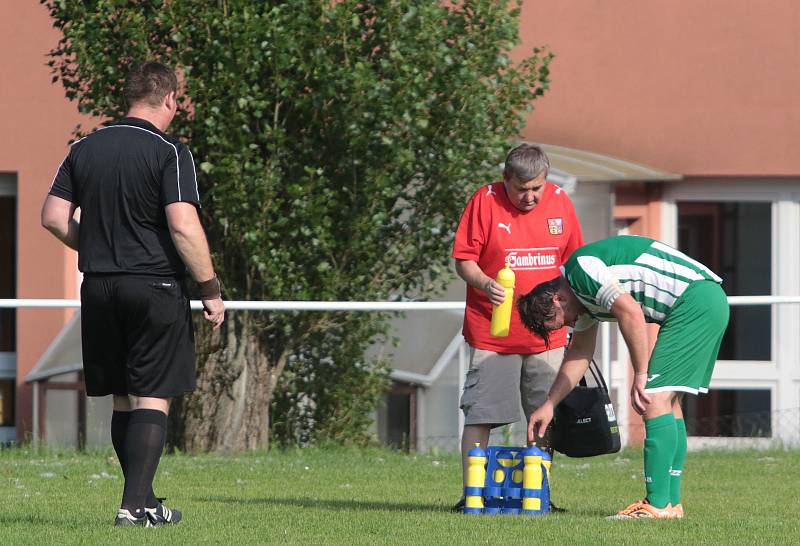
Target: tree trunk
(229, 410)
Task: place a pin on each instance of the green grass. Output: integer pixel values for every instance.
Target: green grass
(373, 497)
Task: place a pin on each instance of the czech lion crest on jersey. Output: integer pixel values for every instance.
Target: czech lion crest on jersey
(555, 226)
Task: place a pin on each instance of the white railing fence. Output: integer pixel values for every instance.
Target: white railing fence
(240, 305)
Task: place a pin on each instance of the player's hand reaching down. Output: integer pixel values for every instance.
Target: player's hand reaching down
(214, 311)
(539, 421)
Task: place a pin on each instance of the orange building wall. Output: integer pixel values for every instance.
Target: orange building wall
(37, 122)
(700, 87)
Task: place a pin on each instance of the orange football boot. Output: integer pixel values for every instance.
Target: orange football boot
(677, 510)
(643, 510)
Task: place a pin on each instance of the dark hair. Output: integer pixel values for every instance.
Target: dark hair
(526, 162)
(149, 82)
(536, 307)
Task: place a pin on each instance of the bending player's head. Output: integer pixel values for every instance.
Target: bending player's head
(151, 85)
(543, 309)
(524, 175)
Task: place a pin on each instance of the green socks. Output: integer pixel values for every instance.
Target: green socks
(659, 452)
(677, 464)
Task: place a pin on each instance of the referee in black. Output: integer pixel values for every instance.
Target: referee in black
(138, 234)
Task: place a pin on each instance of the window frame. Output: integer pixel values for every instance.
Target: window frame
(781, 374)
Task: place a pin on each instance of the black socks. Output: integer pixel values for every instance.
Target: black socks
(119, 431)
(138, 437)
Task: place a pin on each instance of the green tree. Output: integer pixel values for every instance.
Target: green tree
(336, 142)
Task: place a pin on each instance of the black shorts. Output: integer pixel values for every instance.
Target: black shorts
(137, 336)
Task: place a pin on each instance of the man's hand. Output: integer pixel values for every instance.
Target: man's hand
(474, 276)
(539, 421)
(214, 311)
(495, 292)
(639, 399)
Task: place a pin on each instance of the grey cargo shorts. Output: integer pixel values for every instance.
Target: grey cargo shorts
(498, 385)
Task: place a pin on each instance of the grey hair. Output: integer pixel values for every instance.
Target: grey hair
(526, 162)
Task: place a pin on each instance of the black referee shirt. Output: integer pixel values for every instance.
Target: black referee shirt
(122, 176)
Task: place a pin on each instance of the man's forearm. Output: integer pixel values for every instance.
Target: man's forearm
(471, 273)
(576, 362)
(190, 240)
(634, 331)
(58, 218)
(68, 234)
(193, 249)
(71, 236)
(633, 327)
(568, 376)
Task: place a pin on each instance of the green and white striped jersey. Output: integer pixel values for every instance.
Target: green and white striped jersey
(653, 273)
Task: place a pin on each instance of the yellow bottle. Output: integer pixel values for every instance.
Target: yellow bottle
(501, 314)
(532, 480)
(476, 480)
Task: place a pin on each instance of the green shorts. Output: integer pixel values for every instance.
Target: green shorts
(688, 341)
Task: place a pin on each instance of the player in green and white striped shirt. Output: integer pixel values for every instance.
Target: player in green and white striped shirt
(633, 281)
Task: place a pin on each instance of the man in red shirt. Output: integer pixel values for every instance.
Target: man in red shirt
(530, 224)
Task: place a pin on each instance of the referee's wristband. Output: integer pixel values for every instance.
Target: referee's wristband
(210, 289)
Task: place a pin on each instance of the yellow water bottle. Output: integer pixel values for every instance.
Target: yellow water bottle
(476, 480)
(501, 314)
(532, 481)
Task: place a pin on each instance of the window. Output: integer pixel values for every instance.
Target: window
(397, 417)
(735, 241)
(6, 402)
(729, 413)
(8, 261)
(8, 289)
